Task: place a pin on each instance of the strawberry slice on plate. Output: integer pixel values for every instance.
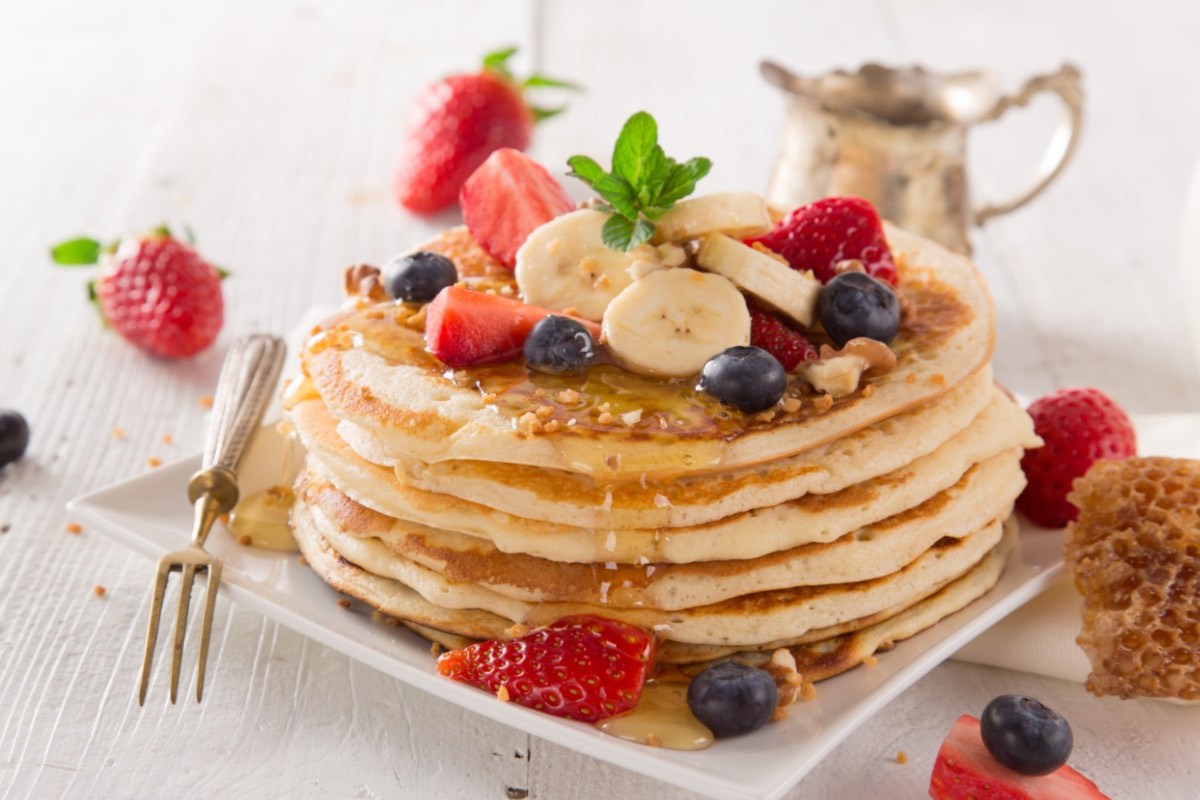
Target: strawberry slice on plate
(582, 667)
(506, 198)
(965, 770)
(464, 328)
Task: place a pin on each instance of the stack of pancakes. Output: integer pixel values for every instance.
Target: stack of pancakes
(463, 502)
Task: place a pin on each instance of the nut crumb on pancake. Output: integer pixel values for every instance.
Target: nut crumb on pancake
(605, 418)
(435, 649)
(652, 740)
(823, 403)
(245, 540)
(791, 404)
(544, 412)
(488, 398)
(567, 397)
(780, 713)
(516, 630)
(529, 423)
(870, 661)
(808, 691)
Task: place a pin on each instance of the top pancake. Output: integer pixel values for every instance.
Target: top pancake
(374, 372)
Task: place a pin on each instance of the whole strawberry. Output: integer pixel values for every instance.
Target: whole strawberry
(1079, 427)
(154, 290)
(581, 667)
(456, 123)
(819, 235)
(771, 334)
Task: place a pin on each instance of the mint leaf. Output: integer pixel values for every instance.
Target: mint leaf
(682, 180)
(586, 169)
(637, 140)
(76, 252)
(616, 233)
(619, 194)
(643, 229)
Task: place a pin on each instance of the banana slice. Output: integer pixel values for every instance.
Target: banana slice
(739, 214)
(565, 265)
(777, 285)
(671, 321)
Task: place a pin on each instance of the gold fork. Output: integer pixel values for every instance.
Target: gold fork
(248, 380)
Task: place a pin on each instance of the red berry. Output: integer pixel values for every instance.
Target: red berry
(582, 667)
(771, 334)
(162, 296)
(464, 328)
(1079, 427)
(819, 235)
(454, 126)
(506, 198)
(965, 770)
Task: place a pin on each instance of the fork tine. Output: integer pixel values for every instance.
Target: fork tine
(185, 599)
(210, 604)
(160, 588)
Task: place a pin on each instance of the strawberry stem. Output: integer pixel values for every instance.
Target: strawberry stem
(496, 62)
(76, 252)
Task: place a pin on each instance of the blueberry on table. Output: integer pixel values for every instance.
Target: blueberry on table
(559, 344)
(854, 304)
(1024, 735)
(731, 699)
(14, 436)
(418, 277)
(747, 378)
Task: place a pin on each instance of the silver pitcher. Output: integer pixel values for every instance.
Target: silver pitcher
(898, 138)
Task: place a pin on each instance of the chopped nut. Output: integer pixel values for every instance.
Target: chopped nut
(99, 591)
(551, 426)
(808, 691)
(167, 438)
(868, 390)
(823, 403)
(416, 321)
(544, 411)
(73, 527)
(529, 423)
(373, 313)
(605, 418)
(392, 622)
(539, 392)
(602, 282)
(118, 433)
(344, 602)
(782, 668)
(245, 540)
(502, 693)
(662, 501)
(572, 422)
(765, 416)
(838, 372)
(871, 661)
(632, 418)
(613, 461)
(849, 265)
(488, 398)
(516, 630)
(364, 280)
(791, 405)
(605, 407)
(206, 401)
(652, 741)
(567, 397)
(902, 757)
(153, 462)
(779, 714)
(435, 648)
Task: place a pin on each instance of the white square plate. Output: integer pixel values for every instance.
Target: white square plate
(150, 514)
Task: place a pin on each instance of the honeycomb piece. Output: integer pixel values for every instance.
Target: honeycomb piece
(1135, 555)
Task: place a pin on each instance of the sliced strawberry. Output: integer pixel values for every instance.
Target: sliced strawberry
(506, 198)
(965, 770)
(465, 328)
(582, 667)
(770, 333)
(819, 235)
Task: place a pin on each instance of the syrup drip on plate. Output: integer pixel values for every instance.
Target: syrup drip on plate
(261, 519)
(661, 719)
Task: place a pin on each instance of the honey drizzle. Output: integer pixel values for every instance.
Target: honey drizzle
(661, 719)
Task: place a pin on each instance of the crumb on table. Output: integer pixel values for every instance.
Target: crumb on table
(902, 757)
(99, 590)
(206, 401)
(153, 462)
(343, 602)
(73, 527)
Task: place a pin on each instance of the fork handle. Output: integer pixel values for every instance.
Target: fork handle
(248, 380)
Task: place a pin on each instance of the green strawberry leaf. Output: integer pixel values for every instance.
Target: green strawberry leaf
(543, 82)
(190, 234)
(540, 113)
(497, 62)
(617, 232)
(76, 252)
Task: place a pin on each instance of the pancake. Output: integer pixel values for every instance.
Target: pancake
(375, 373)
(813, 518)
(744, 620)
(985, 492)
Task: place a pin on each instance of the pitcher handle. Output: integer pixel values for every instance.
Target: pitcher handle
(1066, 83)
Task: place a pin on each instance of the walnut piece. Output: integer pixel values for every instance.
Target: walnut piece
(364, 280)
(838, 372)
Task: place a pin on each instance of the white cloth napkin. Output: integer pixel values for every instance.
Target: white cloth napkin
(1040, 636)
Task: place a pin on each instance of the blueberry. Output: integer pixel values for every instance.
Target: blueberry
(732, 699)
(559, 344)
(14, 436)
(748, 378)
(418, 277)
(1024, 735)
(854, 304)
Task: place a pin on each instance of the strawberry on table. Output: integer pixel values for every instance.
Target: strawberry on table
(965, 770)
(465, 328)
(457, 122)
(156, 291)
(1079, 428)
(506, 199)
(583, 667)
(819, 235)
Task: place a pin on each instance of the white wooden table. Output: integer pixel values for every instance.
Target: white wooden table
(272, 129)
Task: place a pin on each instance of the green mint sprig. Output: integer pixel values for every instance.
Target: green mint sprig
(644, 184)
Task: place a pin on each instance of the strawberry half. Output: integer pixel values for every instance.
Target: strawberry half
(1079, 428)
(819, 235)
(965, 770)
(506, 199)
(456, 123)
(583, 667)
(789, 347)
(464, 328)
